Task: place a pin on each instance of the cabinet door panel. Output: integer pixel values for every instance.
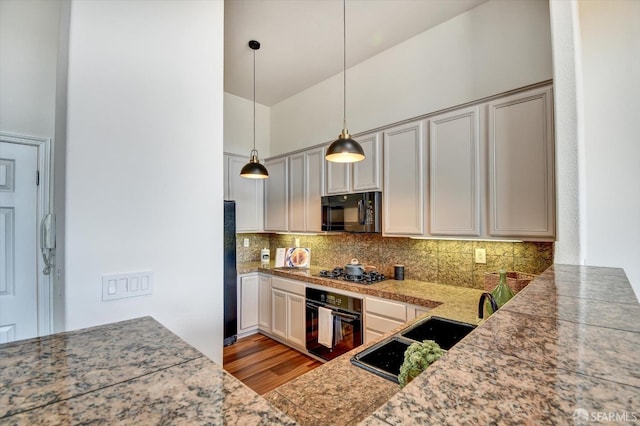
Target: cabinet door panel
(403, 197)
(367, 173)
(296, 319)
(454, 173)
(314, 168)
(248, 302)
(264, 310)
(276, 196)
(521, 166)
(248, 195)
(338, 178)
(297, 193)
(279, 313)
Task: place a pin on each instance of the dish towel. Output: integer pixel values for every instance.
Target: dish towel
(325, 327)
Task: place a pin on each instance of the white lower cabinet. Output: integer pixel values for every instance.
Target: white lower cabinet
(296, 320)
(254, 303)
(264, 302)
(414, 311)
(248, 290)
(288, 311)
(382, 316)
(279, 313)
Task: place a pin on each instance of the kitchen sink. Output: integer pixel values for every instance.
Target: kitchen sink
(386, 357)
(444, 332)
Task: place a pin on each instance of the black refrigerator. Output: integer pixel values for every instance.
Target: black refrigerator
(230, 275)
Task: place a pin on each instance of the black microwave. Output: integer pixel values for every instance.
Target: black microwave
(360, 212)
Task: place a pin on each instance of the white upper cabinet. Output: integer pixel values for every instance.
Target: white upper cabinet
(276, 214)
(314, 188)
(293, 192)
(362, 176)
(367, 174)
(338, 178)
(521, 200)
(247, 193)
(403, 195)
(306, 187)
(454, 173)
(297, 177)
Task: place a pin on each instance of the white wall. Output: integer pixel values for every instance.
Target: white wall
(144, 145)
(28, 48)
(33, 48)
(611, 68)
(238, 126)
(497, 46)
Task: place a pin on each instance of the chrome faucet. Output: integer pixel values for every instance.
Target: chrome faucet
(492, 301)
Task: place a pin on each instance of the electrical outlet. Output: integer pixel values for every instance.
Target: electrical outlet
(296, 242)
(246, 242)
(481, 255)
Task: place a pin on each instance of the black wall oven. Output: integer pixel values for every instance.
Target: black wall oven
(346, 323)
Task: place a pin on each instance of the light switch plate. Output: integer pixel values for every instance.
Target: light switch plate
(481, 255)
(119, 286)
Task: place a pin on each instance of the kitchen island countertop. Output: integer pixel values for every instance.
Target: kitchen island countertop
(129, 372)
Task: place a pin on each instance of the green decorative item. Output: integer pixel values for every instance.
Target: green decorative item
(417, 358)
(501, 294)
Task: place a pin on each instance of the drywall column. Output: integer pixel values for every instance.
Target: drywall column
(570, 191)
(144, 163)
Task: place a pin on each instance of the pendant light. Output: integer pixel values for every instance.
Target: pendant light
(253, 169)
(344, 149)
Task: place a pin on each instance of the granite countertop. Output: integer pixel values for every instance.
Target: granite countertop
(459, 303)
(339, 393)
(563, 351)
(130, 372)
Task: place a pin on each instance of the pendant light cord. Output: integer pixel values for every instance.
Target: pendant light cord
(254, 99)
(344, 64)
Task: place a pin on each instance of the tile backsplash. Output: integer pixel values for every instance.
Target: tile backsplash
(439, 261)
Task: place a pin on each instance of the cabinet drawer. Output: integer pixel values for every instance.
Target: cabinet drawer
(371, 336)
(287, 285)
(380, 324)
(394, 310)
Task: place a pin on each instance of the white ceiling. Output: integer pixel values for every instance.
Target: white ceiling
(302, 39)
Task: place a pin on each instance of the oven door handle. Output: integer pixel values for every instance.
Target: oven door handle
(343, 315)
(333, 311)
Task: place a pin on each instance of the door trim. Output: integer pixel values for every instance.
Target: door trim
(45, 282)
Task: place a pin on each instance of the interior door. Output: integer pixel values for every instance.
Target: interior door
(18, 242)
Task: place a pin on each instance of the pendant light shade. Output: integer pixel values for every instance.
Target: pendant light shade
(253, 169)
(344, 149)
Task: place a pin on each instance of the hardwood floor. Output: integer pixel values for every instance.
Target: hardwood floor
(264, 364)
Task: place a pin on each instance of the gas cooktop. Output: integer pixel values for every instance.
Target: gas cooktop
(339, 273)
